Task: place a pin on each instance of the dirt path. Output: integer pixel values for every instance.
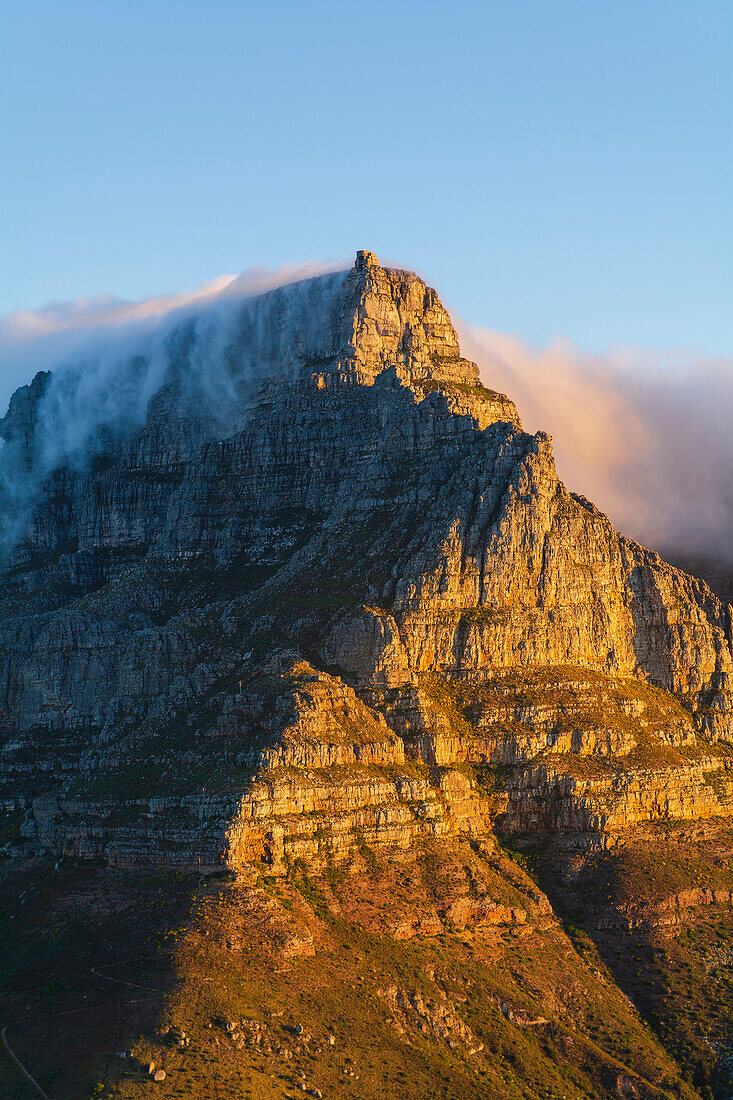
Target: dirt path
(20, 1065)
(121, 981)
(84, 1008)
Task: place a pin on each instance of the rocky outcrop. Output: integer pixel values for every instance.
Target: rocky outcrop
(512, 717)
(526, 574)
(677, 909)
(355, 607)
(337, 779)
(549, 798)
(436, 1017)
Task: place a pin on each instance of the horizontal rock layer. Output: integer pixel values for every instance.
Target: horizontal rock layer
(358, 609)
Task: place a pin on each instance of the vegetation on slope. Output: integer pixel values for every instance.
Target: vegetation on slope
(503, 1010)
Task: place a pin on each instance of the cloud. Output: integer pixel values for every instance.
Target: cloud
(646, 435)
(207, 349)
(45, 338)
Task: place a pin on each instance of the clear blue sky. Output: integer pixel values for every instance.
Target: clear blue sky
(554, 167)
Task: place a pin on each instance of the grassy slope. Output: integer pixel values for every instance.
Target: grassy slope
(214, 954)
(676, 964)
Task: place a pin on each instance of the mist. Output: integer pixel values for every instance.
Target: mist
(646, 435)
(59, 334)
(210, 348)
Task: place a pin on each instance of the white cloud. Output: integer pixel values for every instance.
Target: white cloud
(109, 357)
(41, 339)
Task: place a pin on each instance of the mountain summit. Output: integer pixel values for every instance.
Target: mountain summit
(296, 595)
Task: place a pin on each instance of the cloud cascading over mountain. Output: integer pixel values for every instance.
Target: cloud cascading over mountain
(108, 358)
(645, 434)
(63, 332)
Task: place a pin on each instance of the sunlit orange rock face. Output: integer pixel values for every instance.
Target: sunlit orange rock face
(316, 676)
(339, 609)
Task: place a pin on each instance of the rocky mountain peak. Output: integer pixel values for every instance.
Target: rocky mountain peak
(366, 259)
(392, 319)
(381, 319)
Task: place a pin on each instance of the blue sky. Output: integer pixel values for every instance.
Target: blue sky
(559, 168)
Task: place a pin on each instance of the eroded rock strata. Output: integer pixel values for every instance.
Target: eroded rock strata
(320, 622)
(368, 608)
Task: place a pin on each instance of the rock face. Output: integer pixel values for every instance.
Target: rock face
(350, 604)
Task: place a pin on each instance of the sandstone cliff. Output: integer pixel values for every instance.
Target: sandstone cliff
(355, 603)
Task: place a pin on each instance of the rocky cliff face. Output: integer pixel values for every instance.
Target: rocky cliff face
(352, 603)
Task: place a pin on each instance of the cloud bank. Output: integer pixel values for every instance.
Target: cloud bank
(647, 436)
(207, 349)
(60, 333)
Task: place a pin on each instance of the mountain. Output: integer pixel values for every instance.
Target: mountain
(328, 711)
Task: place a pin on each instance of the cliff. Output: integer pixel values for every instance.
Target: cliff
(382, 512)
(315, 604)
